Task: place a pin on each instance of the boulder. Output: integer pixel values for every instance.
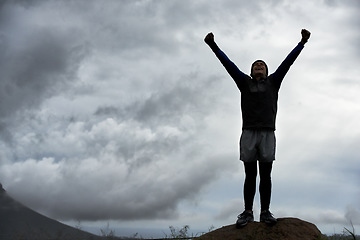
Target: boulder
(285, 229)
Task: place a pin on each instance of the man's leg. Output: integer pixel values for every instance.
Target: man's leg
(265, 184)
(248, 154)
(265, 192)
(249, 194)
(250, 184)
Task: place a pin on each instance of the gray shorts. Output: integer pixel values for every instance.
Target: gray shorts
(257, 145)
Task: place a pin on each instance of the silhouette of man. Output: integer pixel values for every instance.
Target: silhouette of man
(259, 96)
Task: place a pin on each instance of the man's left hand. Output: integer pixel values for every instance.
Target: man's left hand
(305, 35)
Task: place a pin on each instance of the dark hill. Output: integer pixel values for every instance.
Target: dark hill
(21, 223)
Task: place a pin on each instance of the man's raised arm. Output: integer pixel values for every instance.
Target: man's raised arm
(284, 67)
(230, 67)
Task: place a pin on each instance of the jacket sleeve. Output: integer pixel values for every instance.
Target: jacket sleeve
(284, 67)
(238, 76)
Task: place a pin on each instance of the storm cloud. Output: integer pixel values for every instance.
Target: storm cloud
(117, 110)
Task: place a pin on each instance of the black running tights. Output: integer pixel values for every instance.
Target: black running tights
(264, 186)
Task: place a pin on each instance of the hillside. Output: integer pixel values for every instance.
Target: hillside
(20, 222)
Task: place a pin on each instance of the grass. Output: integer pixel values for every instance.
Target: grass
(175, 234)
(183, 233)
(346, 235)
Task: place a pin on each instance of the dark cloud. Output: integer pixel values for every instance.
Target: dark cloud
(148, 155)
(191, 95)
(107, 111)
(36, 64)
(39, 71)
(338, 3)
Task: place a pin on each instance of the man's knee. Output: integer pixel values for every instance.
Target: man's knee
(265, 170)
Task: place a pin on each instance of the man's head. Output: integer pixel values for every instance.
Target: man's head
(259, 69)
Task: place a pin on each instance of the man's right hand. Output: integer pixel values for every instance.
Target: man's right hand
(209, 39)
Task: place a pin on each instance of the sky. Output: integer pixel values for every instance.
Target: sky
(117, 113)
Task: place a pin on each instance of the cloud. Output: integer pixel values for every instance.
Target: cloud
(37, 63)
(119, 110)
(114, 182)
(353, 214)
(129, 162)
(228, 210)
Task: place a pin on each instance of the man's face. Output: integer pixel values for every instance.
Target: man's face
(259, 70)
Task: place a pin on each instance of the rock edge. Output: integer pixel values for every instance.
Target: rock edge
(286, 229)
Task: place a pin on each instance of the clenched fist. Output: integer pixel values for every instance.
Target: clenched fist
(209, 39)
(305, 34)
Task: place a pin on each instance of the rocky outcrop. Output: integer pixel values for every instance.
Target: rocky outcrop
(285, 229)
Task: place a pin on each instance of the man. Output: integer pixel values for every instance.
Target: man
(259, 96)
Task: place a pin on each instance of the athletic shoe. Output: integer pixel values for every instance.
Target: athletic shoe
(267, 217)
(244, 218)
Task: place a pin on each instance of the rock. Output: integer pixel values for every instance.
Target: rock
(285, 229)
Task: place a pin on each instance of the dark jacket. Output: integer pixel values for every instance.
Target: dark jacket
(258, 97)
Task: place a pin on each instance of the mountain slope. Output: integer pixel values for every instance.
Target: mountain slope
(20, 222)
